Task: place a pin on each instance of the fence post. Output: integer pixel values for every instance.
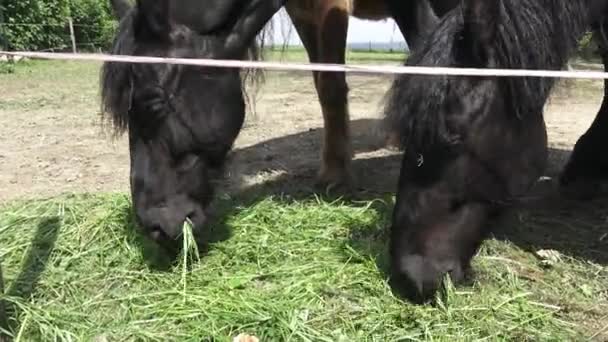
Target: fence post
(3, 37)
(72, 36)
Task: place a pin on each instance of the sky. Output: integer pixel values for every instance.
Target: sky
(359, 31)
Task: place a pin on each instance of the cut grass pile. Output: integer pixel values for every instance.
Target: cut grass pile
(282, 270)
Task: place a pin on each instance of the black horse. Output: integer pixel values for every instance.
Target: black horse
(181, 120)
(473, 145)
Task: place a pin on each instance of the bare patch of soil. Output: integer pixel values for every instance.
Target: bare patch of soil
(52, 140)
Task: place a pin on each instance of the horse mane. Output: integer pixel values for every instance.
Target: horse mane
(533, 34)
(114, 78)
(253, 79)
(116, 87)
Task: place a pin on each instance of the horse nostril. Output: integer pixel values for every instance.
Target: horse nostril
(195, 218)
(456, 273)
(157, 234)
(190, 219)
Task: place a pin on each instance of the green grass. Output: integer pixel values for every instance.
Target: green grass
(283, 270)
(36, 84)
(296, 54)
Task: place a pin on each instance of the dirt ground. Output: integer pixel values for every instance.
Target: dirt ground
(52, 141)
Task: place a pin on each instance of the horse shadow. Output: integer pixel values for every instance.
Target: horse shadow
(283, 166)
(544, 219)
(26, 282)
(549, 220)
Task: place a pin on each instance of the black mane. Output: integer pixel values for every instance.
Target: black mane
(532, 34)
(115, 77)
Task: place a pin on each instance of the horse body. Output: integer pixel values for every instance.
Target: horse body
(323, 26)
(474, 144)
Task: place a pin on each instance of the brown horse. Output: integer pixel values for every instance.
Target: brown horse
(323, 26)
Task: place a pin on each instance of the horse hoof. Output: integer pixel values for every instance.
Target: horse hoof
(337, 180)
(393, 142)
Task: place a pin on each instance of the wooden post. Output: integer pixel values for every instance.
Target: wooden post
(390, 49)
(3, 35)
(72, 36)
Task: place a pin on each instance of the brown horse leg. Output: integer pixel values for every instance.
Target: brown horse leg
(307, 30)
(333, 95)
(393, 139)
(323, 32)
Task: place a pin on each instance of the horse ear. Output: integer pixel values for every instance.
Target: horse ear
(120, 8)
(153, 18)
(481, 19)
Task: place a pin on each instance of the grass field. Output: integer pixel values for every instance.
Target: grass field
(299, 55)
(284, 266)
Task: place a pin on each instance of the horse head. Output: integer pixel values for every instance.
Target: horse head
(181, 120)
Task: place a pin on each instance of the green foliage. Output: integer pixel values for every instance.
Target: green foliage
(18, 16)
(94, 23)
(43, 24)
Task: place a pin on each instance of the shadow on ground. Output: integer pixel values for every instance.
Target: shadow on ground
(544, 220)
(34, 264)
(281, 167)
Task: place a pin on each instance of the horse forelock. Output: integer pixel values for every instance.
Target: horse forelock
(534, 34)
(413, 94)
(115, 78)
